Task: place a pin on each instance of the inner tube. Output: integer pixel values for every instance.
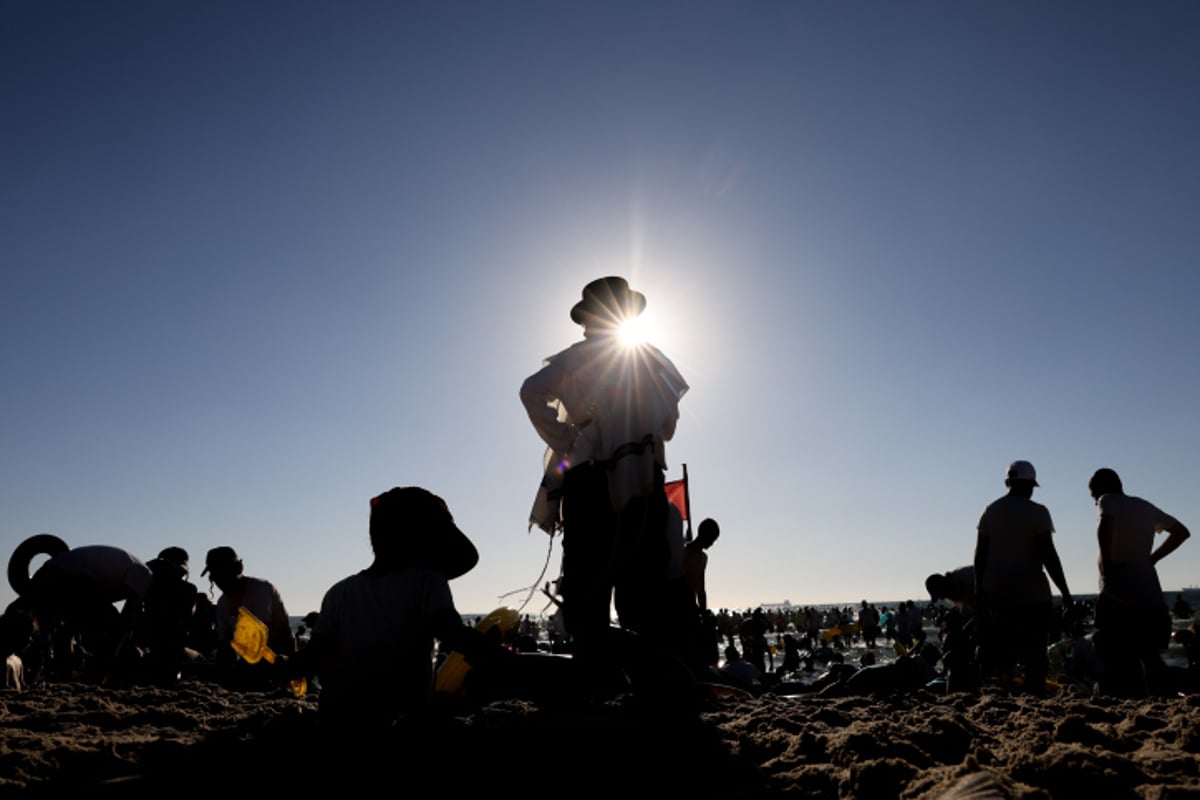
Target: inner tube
(18, 565)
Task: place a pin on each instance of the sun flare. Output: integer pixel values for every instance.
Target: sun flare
(633, 331)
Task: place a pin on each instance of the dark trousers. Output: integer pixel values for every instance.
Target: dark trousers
(606, 551)
(1128, 643)
(1016, 634)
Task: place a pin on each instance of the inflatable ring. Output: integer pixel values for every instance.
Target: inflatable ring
(18, 564)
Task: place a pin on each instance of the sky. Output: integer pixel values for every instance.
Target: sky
(262, 261)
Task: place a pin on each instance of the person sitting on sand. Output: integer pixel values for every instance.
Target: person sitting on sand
(739, 672)
(260, 598)
(372, 643)
(170, 611)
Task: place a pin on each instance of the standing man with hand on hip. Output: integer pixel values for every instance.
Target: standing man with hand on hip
(606, 409)
(1132, 621)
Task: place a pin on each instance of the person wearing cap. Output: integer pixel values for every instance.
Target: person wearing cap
(605, 411)
(259, 597)
(1133, 624)
(1013, 547)
(372, 642)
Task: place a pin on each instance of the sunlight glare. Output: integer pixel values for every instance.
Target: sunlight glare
(633, 331)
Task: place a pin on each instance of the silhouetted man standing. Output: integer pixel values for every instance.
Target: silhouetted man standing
(1132, 621)
(606, 409)
(1014, 543)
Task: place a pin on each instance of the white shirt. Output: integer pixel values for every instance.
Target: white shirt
(1132, 578)
(594, 397)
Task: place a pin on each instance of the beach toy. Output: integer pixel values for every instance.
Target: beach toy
(250, 642)
(42, 544)
(453, 672)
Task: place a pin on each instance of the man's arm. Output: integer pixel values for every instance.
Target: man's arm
(1104, 535)
(539, 394)
(1177, 534)
(981, 557)
(1053, 565)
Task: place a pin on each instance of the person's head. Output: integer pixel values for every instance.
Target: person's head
(1020, 478)
(170, 564)
(223, 567)
(708, 532)
(732, 654)
(177, 556)
(607, 302)
(1104, 481)
(938, 586)
(413, 527)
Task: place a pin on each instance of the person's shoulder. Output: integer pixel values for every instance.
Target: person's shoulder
(999, 502)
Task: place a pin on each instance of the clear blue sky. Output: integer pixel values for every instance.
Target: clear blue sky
(262, 261)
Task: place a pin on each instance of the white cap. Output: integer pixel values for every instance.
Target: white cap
(1021, 471)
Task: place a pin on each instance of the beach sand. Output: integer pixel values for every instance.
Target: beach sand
(199, 738)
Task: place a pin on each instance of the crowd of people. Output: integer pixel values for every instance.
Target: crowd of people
(65, 623)
(605, 411)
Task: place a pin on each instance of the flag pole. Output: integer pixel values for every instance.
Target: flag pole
(687, 504)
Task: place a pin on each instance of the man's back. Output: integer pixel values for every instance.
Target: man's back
(378, 631)
(261, 599)
(1012, 526)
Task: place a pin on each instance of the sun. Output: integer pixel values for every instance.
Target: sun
(633, 331)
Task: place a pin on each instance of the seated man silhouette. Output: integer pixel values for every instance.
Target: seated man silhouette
(260, 598)
(372, 643)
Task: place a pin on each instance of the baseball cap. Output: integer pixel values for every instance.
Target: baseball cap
(218, 557)
(1022, 471)
(175, 555)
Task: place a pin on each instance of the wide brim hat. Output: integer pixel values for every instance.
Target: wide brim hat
(608, 298)
(414, 527)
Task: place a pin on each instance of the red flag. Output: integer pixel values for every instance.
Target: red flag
(677, 495)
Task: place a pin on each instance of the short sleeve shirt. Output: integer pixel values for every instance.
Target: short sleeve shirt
(1012, 526)
(379, 632)
(1132, 578)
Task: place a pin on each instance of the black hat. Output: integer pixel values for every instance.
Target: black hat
(219, 557)
(608, 298)
(175, 555)
(413, 527)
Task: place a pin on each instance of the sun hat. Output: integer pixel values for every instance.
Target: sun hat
(1021, 471)
(608, 297)
(412, 526)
